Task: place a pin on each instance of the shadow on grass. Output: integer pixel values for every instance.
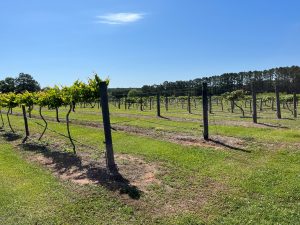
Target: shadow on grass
(273, 126)
(198, 114)
(65, 162)
(245, 117)
(163, 117)
(9, 136)
(286, 118)
(229, 146)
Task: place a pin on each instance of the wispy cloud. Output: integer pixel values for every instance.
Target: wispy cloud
(120, 18)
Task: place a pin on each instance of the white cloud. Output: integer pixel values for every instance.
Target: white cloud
(120, 18)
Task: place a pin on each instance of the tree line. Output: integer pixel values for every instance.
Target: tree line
(288, 80)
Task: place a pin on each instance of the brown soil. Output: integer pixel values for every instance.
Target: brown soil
(136, 171)
(140, 173)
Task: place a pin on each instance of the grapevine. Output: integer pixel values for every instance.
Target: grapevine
(53, 98)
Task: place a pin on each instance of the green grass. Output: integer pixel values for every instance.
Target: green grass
(262, 134)
(213, 186)
(94, 114)
(31, 195)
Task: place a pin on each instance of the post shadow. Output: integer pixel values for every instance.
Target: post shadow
(63, 161)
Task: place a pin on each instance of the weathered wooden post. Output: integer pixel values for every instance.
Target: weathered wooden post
(125, 103)
(261, 105)
(254, 108)
(25, 123)
(141, 104)
(189, 103)
(222, 106)
(295, 104)
(110, 160)
(205, 110)
(2, 121)
(277, 101)
(232, 106)
(158, 104)
(166, 103)
(210, 105)
(30, 108)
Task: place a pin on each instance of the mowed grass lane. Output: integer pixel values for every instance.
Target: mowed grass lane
(262, 186)
(29, 194)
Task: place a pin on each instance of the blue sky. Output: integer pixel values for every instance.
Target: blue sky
(137, 42)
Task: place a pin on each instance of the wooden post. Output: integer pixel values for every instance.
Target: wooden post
(158, 104)
(110, 161)
(30, 108)
(141, 104)
(277, 101)
(150, 103)
(125, 103)
(166, 103)
(210, 105)
(254, 111)
(295, 104)
(232, 106)
(205, 111)
(222, 106)
(261, 105)
(189, 103)
(2, 121)
(26, 124)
